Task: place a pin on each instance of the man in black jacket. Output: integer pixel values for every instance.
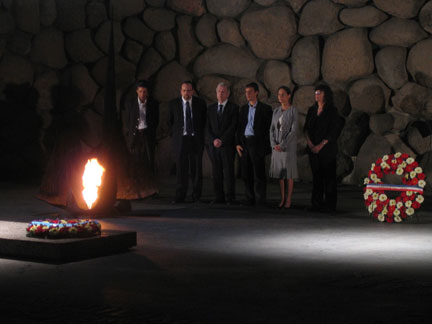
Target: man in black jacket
(187, 119)
(141, 120)
(253, 144)
(221, 125)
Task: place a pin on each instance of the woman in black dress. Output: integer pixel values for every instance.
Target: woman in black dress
(322, 128)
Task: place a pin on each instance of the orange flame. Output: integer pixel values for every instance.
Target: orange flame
(92, 180)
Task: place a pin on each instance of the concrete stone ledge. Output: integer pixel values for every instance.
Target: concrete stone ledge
(15, 244)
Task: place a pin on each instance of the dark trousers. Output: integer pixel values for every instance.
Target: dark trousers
(324, 191)
(222, 160)
(143, 149)
(253, 171)
(189, 165)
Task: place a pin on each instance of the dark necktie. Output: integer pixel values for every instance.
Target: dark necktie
(219, 115)
(189, 126)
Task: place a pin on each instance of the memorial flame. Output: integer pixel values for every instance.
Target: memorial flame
(92, 180)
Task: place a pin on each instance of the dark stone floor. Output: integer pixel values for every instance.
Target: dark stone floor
(202, 263)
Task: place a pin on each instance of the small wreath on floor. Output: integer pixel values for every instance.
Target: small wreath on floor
(63, 228)
(379, 205)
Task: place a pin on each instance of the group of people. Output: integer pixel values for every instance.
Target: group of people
(252, 132)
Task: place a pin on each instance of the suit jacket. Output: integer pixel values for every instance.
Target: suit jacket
(261, 127)
(131, 120)
(199, 109)
(225, 131)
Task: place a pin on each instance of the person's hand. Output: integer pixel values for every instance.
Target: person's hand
(315, 149)
(277, 148)
(239, 149)
(217, 143)
(319, 147)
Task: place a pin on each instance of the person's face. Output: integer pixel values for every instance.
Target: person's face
(222, 93)
(142, 93)
(283, 96)
(319, 96)
(251, 94)
(186, 91)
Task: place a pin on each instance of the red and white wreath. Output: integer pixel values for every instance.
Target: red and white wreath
(378, 203)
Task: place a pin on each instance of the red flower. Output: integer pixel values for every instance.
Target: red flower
(404, 156)
(415, 205)
(421, 176)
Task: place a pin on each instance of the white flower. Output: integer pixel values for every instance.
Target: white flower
(413, 174)
(410, 211)
(408, 204)
(381, 217)
(418, 170)
(365, 196)
(396, 212)
(403, 164)
(366, 181)
(392, 202)
(422, 183)
(398, 154)
(399, 171)
(385, 157)
(371, 208)
(397, 219)
(393, 161)
(409, 160)
(369, 191)
(375, 196)
(399, 204)
(385, 165)
(409, 193)
(383, 197)
(372, 166)
(420, 199)
(374, 177)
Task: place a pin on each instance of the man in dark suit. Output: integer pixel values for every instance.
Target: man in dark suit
(221, 125)
(187, 119)
(253, 144)
(140, 122)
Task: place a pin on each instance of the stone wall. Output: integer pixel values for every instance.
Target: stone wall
(376, 56)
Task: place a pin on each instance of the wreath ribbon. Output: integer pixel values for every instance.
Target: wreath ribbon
(389, 187)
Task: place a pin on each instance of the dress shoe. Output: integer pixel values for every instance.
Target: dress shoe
(232, 202)
(262, 204)
(217, 201)
(248, 203)
(123, 206)
(177, 201)
(327, 210)
(315, 209)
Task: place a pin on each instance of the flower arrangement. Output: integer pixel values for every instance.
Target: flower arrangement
(379, 205)
(63, 228)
